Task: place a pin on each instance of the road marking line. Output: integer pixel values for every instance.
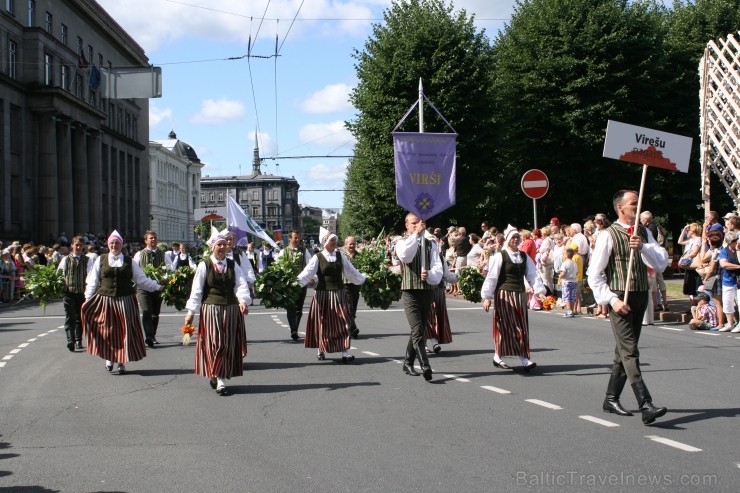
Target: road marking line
(42, 335)
(23, 345)
(708, 333)
(60, 327)
(673, 443)
(671, 328)
(15, 351)
(395, 360)
(598, 421)
(53, 330)
(370, 353)
(6, 358)
(2, 364)
(495, 389)
(543, 404)
(31, 340)
(455, 377)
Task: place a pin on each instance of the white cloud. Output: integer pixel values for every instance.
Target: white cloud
(332, 98)
(219, 111)
(326, 173)
(330, 135)
(157, 116)
(266, 144)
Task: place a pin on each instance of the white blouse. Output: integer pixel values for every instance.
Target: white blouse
(494, 270)
(241, 289)
(142, 281)
(349, 271)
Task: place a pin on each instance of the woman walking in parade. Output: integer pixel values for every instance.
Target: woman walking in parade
(438, 329)
(110, 314)
(221, 296)
(329, 319)
(505, 288)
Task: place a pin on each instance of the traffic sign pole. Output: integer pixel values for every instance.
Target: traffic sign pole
(535, 185)
(534, 204)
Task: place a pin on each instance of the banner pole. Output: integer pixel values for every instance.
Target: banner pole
(421, 131)
(635, 231)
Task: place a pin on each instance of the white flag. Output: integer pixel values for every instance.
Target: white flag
(242, 224)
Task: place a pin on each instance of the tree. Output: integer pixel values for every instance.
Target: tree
(310, 226)
(428, 40)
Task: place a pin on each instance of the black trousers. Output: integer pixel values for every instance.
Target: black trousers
(72, 316)
(150, 305)
(417, 304)
(627, 331)
(353, 298)
(294, 314)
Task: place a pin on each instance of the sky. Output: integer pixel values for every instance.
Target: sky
(296, 103)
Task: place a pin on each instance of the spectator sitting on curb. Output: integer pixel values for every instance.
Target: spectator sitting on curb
(704, 313)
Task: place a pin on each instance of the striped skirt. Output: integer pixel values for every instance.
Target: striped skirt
(222, 342)
(438, 326)
(328, 322)
(511, 323)
(113, 329)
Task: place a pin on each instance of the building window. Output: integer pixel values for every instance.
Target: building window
(255, 195)
(65, 33)
(65, 77)
(89, 54)
(49, 23)
(255, 211)
(202, 198)
(48, 69)
(78, 85)
(31, 13)
(12, 59)
(211, 198)
(79, 45)
(220, 196)
(9, 7)
(288, 195)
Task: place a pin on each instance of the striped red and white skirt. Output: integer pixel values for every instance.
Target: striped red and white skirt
(439, 323)
(511, 323)
(113, 328)
(327, 326)
(222, 342)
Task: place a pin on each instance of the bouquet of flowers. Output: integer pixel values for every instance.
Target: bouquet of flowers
(177, 287)
(278, 285)
(548, 302)
(187, 332)
(44, 283)
(156, 273)
(470, 281)
(382, 286)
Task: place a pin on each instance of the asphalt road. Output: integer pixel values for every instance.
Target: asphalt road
(298, 424)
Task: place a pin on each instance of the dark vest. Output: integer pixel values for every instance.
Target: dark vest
(181, 263)
(616, 268)
(147, 257)
(346, 282)
(290, 252)
(219, 287)
(75, 275)
(411, 272)
(116, 281)
(330, 273)
(252, 257)
(511, 276)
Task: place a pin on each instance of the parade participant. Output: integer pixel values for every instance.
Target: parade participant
(221, 296)
(254, 257)
(150, 303)
(327, 326)
(353, 290)
(74, 268)
(234, 253)
(181, 259)
(504, 284)
(421, 273)
(607, 276)
(110, 314)
(438, 329)
(294, 250)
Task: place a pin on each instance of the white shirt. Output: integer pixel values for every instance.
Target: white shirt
(245, 266)
(652, 254)
(349, 271)
(582, 242)
(494, 270)
(141, 280)
(406, 249)
(241, 289)
(63, 265)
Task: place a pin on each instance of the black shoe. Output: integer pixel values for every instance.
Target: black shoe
(149, 342)
(78, 345)
(71, 346)
(409, 369)
(212, 382)
(294, 336)
(321, 357)
(612, 405)
(530, 366)
(427, 372)
(155, 341)
(121, 369)
(355, 333)
(650, 413)
(223, 391)
(348, 358)
(109, 367)
(436, 349)
(501, 364)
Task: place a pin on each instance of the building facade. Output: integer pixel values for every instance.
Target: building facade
(175, 189)
(70, 160)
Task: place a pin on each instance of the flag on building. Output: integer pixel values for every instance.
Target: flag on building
(131, 82)
(82, 61)
(241, 224)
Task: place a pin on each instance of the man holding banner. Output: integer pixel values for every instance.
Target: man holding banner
(608, 277)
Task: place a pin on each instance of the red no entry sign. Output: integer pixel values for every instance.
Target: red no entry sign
(535, 184)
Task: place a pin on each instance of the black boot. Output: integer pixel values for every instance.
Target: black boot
(649, 412)
(408, 362)
(613, 391)
(421, 353)
(70, 339)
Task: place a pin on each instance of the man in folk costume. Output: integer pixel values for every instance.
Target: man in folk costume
(327, 326)
(149, 303)
(607, 277)
(220, 295)
(74, 268)
(421, 272)
(508, 270)
(294, 250)
(438, 330)
(110, 314)
(353, 290)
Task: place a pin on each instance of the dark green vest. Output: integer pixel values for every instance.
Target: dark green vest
(511, 276)
(330, 273)
(219, 287)
(75, 274)
(147, 257)
(411, 272)
(116, 281)
(290, 252)
(616, 268)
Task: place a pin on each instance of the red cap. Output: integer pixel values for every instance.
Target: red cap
(555, 221)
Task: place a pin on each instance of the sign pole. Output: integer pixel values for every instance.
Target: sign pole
(534, 205)
(421, 131)
(635, 231)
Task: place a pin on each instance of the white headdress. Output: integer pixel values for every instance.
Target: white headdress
(325, 235)
(510, 230)
(115, 235)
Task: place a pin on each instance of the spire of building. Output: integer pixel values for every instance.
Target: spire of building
(256, 161)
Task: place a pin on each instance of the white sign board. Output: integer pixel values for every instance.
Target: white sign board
(209, 214)
(647, 146)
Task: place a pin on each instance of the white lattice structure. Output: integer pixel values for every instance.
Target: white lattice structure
(720, 115)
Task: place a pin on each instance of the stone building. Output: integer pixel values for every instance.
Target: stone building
(70, 160)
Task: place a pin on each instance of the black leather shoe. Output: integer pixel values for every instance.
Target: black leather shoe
(149, 342)
(78, 345)
(321, 357)
(348, 358)
(427, 372)
(71, 346)
(501, 364)
(650, 413)
(223, 391)
(355, 333)
(109, 367)
(530, 366)
(212, 382)
(410, 370)
(294, 336)
(612, 405)
(121, 370)
(436, 348)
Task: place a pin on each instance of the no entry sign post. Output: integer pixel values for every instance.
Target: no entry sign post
(535, 185)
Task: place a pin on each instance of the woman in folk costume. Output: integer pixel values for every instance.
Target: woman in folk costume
(110, 314)
(438, 328)
(329, 319)
(221, 295)
(504, 284)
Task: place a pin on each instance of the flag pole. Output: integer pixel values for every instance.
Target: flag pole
(635, 231)
(421, 131)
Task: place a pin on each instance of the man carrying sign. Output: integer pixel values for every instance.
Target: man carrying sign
(607, 276)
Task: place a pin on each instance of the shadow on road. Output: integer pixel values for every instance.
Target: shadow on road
(19, 489)
(279, 389)
(14, 326)
(693, 415)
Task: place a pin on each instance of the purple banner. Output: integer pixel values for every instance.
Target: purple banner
(425, 172)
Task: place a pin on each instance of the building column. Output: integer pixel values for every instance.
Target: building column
(94, 182)
(80, 202)
(47, 191)
(66, 201)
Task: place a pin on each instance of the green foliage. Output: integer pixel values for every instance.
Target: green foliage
(382, 287)
(470, 281)
(177, 286)
(278, 285)
(44, 283)
(156, 273)
(203, 230)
